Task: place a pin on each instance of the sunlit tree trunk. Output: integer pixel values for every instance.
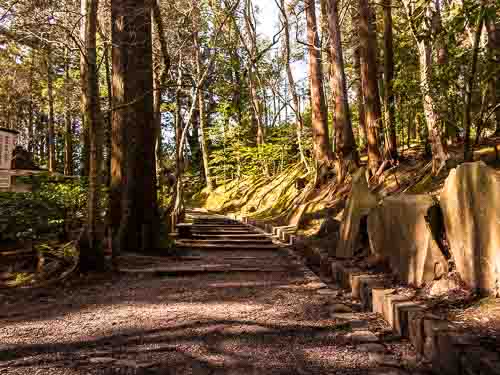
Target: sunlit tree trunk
(31, 135)
(494, 81)
(321, 139)
(159, 80)
(389, 107)
(373, 115)
(468, 151)
(291, 83)
(91, 249)
(51, 130)
(424, 37)
(85, 157)
(202, 117)
(108, 135)
(345, 142)
(68, 136)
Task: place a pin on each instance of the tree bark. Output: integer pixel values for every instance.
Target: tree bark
(344, 136)
(133, 128)
(358, 87)
(321, 138)
(202, 112)
(91, 249)
(159, 81)
(373, 115)
(468, 151)
(494, 81)
(68, 136)
(51, 131)
(424, 37)
(389, 108)
(109, 130)
(31, 135)
(85, 157)
(291, 84)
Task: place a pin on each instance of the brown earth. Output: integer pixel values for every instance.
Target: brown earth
(164, 321)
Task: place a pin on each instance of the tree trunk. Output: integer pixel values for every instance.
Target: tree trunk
(368, 57)
(51, 132)
(68, 136)
(91, 250)
(202, 118)
(133, 128)
(31, 135)
(85, 157)
(358, 83)
(468, 151)
(390, 116)
(494, 81)
(109, 131)
(344, 136)
(321, 139)
(433, 128)
(291, 84)
(159, 81)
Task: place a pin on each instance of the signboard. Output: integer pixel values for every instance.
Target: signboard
(8, 141)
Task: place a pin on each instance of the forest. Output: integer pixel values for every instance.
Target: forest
(140, 135)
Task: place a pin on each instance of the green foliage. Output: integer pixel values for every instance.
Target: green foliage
(233, 157)
(49, 212)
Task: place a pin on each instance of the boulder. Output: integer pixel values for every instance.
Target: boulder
(361, 201)
(470, 202)
(399, 230)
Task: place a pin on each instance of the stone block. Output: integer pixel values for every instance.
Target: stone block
(471, 210)
(398, 231)
(378, 299)
(361, 200)
(357, 280)
(402, 314)
(367, 285)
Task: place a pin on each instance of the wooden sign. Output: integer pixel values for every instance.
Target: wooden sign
(8, 141)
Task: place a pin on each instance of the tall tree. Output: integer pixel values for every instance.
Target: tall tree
(469, 83)
(344, 136)
(51, 131)
(85, 158)
(133, 189)
(368, 55)
(389, 105)
(68, 135)
(423, 29)
(91, 250)
(321, 138)
(291, 82)
(494, 55)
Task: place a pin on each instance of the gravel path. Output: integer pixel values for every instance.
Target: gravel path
(284, 321)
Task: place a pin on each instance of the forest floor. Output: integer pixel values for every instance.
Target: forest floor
(258, 310)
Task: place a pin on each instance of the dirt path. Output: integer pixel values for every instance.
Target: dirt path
(260, 311)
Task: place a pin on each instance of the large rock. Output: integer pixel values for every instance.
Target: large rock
(399, 232)
(361, 201)
(470, 201)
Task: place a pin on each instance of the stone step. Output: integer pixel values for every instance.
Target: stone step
(186, 270)
(215, 225)
(221, 246)
(216, 241)
(236, 236)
